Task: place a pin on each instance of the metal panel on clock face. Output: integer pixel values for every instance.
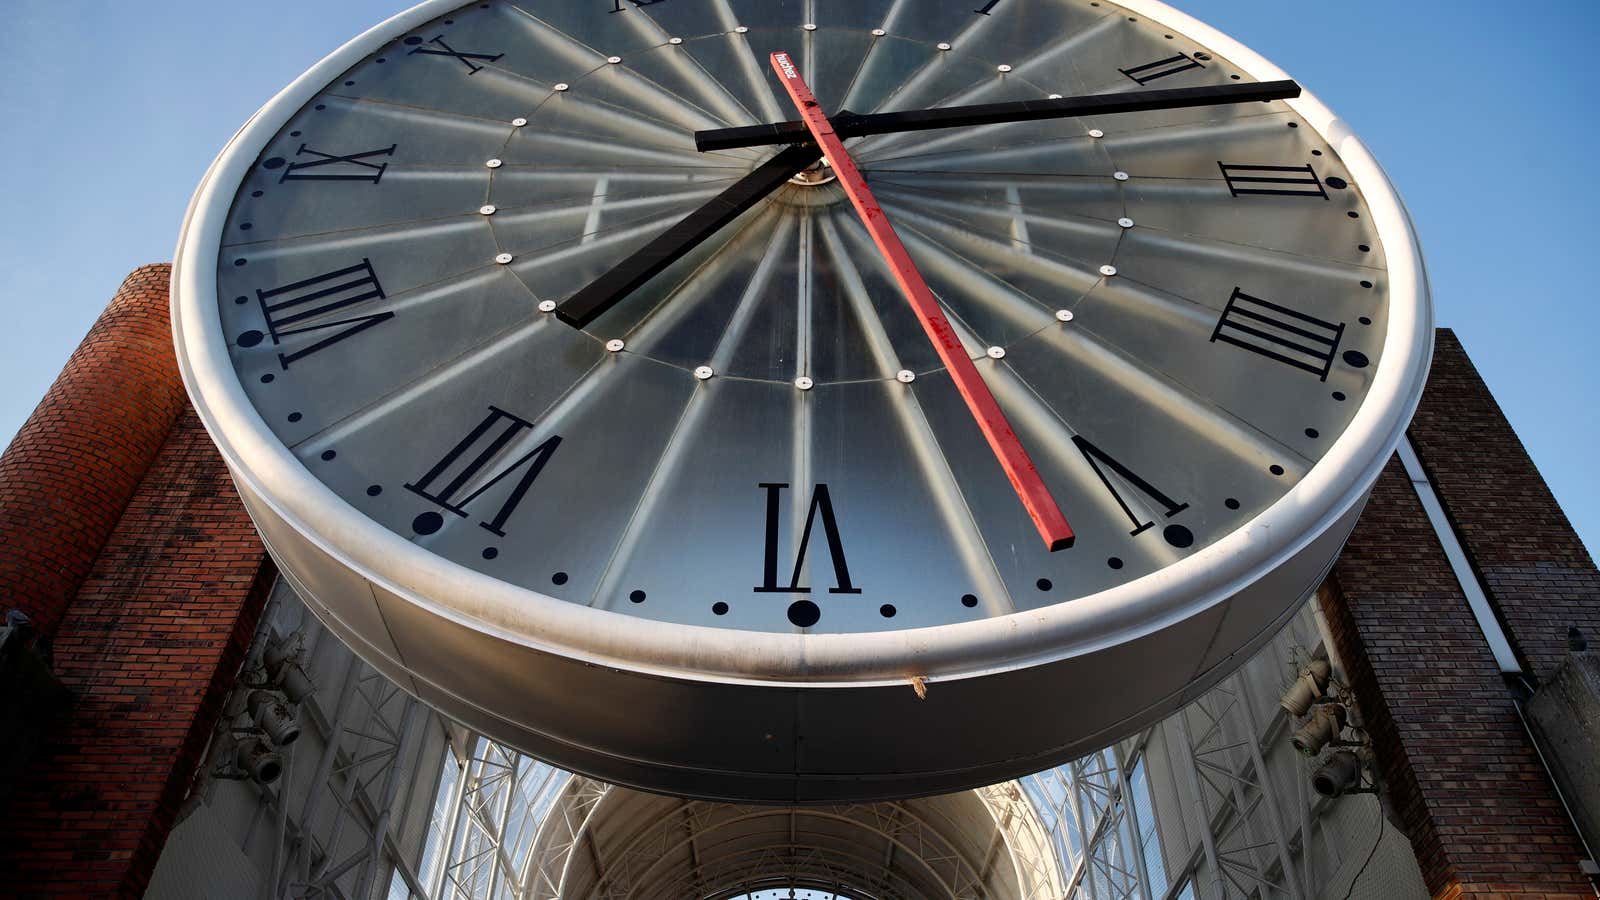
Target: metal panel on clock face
(750, 483)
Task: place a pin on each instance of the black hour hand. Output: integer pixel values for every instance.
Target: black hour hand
(650, 260)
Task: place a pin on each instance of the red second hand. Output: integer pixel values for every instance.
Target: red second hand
(992, 422)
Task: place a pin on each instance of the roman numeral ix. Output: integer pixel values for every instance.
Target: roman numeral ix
(352, 167)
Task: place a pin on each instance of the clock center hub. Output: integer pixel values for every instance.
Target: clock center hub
(818, 173)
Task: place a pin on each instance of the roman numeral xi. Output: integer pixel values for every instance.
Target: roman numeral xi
(1161, 68)
(461, 56)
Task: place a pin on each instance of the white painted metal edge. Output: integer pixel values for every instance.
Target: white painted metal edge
(532, 619)
(1476, 599)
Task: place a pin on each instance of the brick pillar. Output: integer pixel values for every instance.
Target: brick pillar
(151, 596)
(74, 465)
(1536, 570)
(1477, 805)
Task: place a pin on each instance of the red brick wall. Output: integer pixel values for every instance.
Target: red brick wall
(122, 534)
(1538, 574)
(150, 647)
(71, 469)
(1478, 807)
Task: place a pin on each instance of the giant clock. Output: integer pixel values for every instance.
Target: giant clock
(801, 399)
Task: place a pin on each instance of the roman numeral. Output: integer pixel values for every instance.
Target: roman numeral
(1161, 68)
(1097, 458)
(461, 468)
(463, 57)
(820, 503)
(1279, 333)
(986, 7)
(294, 308)
(347, 168)
(616, 5)
(1273, 181)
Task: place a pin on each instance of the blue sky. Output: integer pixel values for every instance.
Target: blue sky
(1482, 113)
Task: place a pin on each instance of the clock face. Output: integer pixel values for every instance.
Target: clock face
(1180, 312)
(581, 433)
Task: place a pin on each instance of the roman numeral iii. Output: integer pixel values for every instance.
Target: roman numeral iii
(1272, 181)
(1161, 68)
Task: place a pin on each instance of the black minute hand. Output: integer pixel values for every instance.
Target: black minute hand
(856, 125)
(648, 261)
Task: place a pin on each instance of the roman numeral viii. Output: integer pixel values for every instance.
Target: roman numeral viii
(463, 474)
(302, 307)
(821, 504)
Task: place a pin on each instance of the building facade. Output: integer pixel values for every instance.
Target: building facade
(181, 726)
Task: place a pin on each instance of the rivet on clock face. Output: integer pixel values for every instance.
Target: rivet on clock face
(674, 41)
(562, 86)
(741, 30)
(615, 345)
(547, 306)
(1120, 176)
(703, 373)
(809, 27)
(1096, 133)
(494, 163)
(1063, 315)
(905, 376)
(614, 60)
(487, 209)
(1125, 222)
(518, 122)
(996, 352)
(942, 45)
(878, 32)
(1002, 68)
(1055, 96)
(1108, 271)
(804, 383)
(504, 258)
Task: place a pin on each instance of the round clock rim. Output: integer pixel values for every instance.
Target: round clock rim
(256, 457)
